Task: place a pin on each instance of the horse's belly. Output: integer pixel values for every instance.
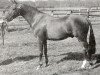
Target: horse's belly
(57, 30)
(57, 35)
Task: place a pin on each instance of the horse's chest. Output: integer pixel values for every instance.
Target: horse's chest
(39, 31)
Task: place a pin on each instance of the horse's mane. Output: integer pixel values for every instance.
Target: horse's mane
(34, 8)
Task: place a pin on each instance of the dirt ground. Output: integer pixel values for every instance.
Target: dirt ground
(20, 54)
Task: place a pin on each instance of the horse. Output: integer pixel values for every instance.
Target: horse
(46, 27)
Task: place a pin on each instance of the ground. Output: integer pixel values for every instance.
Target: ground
(20, 55)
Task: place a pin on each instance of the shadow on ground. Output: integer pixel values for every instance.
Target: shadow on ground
(67, 56)
(23, 58)
(78, 56)
(71, 56)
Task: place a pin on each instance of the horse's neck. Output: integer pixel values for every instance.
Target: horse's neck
(30, 15)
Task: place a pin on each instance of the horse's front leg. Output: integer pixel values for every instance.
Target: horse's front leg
(41, 51)
(45, 52)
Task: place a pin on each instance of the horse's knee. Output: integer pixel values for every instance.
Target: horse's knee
(41, 54)
(45, 52)
(85, 47)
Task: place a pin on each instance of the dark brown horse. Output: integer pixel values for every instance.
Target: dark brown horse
(46, 27)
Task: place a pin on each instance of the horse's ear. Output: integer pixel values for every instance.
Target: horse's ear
(13, 1)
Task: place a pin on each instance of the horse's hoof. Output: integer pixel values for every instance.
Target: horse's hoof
(90, 67)
(46, 65)
(81, 69)
(38, 67)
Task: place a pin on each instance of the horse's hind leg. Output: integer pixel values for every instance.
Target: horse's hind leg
(85, 49)
(87, 54)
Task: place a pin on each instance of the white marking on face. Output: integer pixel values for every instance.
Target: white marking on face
(84, 63)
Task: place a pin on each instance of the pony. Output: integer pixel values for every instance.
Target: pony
(46, 27)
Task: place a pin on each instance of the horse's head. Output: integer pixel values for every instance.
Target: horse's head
(13, 12)
(19, 9)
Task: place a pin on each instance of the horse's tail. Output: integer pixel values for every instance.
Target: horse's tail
(92, 42)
